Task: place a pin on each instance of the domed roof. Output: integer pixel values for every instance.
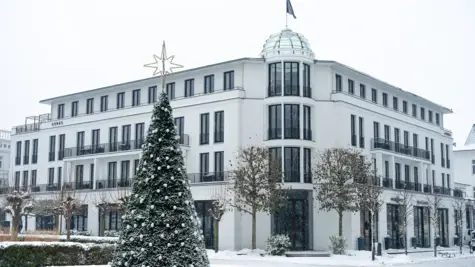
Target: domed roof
(285, 43)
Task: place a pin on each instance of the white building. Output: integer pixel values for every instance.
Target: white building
(286, 100)
(4, 164)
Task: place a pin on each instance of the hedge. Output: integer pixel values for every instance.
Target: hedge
(36, 254)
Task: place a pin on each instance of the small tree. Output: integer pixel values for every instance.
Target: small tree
(404, 200)
(335, 172)
(257, 184)
(370, 199)
(17, 204)
(459, 206)
(219, 207)
(435, 203)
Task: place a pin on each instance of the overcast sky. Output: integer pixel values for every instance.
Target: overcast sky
(51, 48)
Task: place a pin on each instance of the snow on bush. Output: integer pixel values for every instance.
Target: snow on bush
(77, 233)
(278, 245)
(337, 245)
(111, 233)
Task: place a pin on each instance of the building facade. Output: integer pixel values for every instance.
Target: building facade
(285, 100)
(5, 149)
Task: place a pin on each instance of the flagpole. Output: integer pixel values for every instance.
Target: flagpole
(286, 15)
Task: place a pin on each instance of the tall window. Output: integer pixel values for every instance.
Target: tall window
(91, 173)
(74, 108)
(189, 87)
(437, 118)
(307, 90)
(126, 134)
(152, 94)
(204, 163)
(34, 175)
(291, 79)
(52, 147)
(307, 123)
(180, 128)
(26, 156)
(79, 175)
(385, 99)
(209, 84)
(406, 138)
(430, 116)
(387, 135)
(361, 131)
(90, 106)
(447, 156)
(34, 157)
(414, 110)
(292, 164)
(351, 86)
(442, 160)
(219, 126)
(397, 169)
(228, 80)
(338, 85)
(291, 121)
(362, 91)
(96, 134)
(124, 172)
(60, 111)
(432, 156)
(374, 95)
(219, 165)
(275, 79)
(415, 140)
(18, 153)
(275, 157)
(135, 97)
(353, 130)
(111, 174)
(60, 174)
(427, 143)
(80, 141)
(120, 100)
(171, 91)
(139, 135)
(136, 166)
(404, 106)
(113, 138)
(376, 130)
(25, 179)
(17, 179)
(62, 144)
(104, 103)
(307, 165)
(423, 113)
(395, 103)
(275, 122)
(204, 128)
(50, 176)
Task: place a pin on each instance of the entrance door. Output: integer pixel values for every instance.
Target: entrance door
(394, 222)
(207, 222)
(444, 227)
(365, 222)
(292, 220)
(422, 227)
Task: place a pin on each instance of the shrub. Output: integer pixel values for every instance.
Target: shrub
(278, 245)
(56, 254)
(337, 245)
(76, 232)
(111, 233)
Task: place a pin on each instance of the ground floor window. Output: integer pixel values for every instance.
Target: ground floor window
(207, 222)
(110, 221)
(394, 224)
(79, 220)
(443, 227)
(45, 223)
(422, 226)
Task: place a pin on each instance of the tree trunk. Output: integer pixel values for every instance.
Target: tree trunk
(216, 236)
(340, 223)
(371, 238)
(15, 227)
(253, 229)
(68, 227)
(435, 246)
(405, 240)
(26, 223)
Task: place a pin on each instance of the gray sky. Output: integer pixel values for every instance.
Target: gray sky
(49, 48)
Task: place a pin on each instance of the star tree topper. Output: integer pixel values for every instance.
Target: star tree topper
(163, 65)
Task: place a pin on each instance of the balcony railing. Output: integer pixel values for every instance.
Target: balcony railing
(17, 160)
(307, 91)
(441, 190)
(292, 176)
(380, 143)
(448, 163)
(208, 177)
(274, 133)
(79, 185)
(292, 133)
(34, 159)
(307, 134)
(427, 188)
(291, 90)
(307, 177)
(458, 193)
(353, 140)
(204, 138)
(26, 159)
(387, 183)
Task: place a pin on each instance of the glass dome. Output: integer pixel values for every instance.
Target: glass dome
(288, 43)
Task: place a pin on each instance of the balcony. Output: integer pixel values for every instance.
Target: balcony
(380, 143)
(79, 185)
(427, 188)
(458, 193)
(441, 190)
(32, 124)
(114, 183)
(291, 90)
(208, 177)
(387, 183)
(417, 187)
(291, 176)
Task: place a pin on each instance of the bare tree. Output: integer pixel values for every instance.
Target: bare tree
(370, 199)
(404, 200)
(459, 206)
(257, 184)
(435, 202)
(335, 172)
(219, 207)
(107, 201)
(17, 204)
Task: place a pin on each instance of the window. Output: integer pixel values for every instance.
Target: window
(473, 166)
(442, 160)
(34, 157)
(34, 174)
(204, 128)
(90, 106)
(95, 141)
(25, 179)
(104, 103)
(307, 123)
(275, 122)
(353, 130)
(136, 166)
(376, 130)
(26, 156)
(219, 165)
(362, 91)
(374, 95)
(292, 164)
(80, 141)
(209, 84)
(113, 139)
(91, 173)
(135, 97)
(74, 108)
(414, 110)
(125, 134)
(338, 82)
(361, 132)
(62, 144)
(427, 143)
(219, 126)
(189, 87)
(437, 118)
(407, 174)
(275, 79)
(307, 165)
(180, 128)
(228, 80)
(124, 172)
(404, 106)
(351, 86)
(111, 174)
(204, 163)
(275, 157)
(60, 111)
(430, 116)
(395, 103)
(120, 100)
(79, 175)
(307, 90)
(60, 173)
(291, 79)
(18, 153)
(79, 221)
(415, 140)
(52, 147)
(387, 130)
(423, 114)
(171, 91)
(396, 136)
(139, 135)
(152, 94)
(406, 138)
(291, 121)
(50, 176)
(385, 99)
(432, 151)
(447, 156)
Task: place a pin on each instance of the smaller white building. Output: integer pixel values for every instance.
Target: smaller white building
(5, 150)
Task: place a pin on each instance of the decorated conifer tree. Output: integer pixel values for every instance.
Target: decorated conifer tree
(160, 226)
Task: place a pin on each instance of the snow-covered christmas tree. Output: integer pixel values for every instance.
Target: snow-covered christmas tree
(160, 226)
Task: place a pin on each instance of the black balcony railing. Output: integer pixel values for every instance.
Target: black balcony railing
(387, 182)
(292, 176)
(274, 133)
(292, 133)
(380, 143)
(418, 187)
(307, 177)
(291, 90)
(79, 185)
(442, 162)
(353, 140)
(61, 155)
(184, 139)
(208, 177)
(51, 156)
(361, 141)
(307, 134)
(34, 159)
(307, 91)
(274, 90)
(432, 158)
(26, 159)
(458, 193)
(17, 160)
(113, 183)
(219, 136)
(441, 190)
(204, 138)
(448, 163)
(427, 188)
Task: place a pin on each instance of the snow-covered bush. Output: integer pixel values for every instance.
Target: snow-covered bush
(111, 233)
(278, 244)
(337, 245)
(76, 232)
